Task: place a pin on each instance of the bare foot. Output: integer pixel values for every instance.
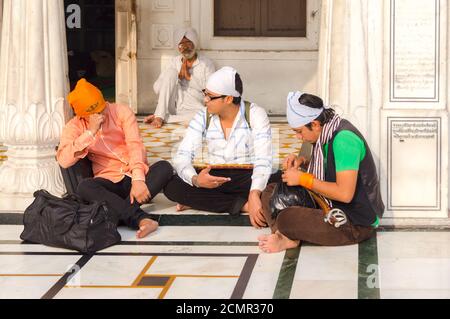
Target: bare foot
(276, 243)
(182, 208)
(146, 227)
(149, 119)
(155, 122)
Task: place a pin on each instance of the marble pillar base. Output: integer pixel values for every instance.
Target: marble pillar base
(28, 168)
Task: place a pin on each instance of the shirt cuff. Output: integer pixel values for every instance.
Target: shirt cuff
(188, 173)
(259, 184)
(138, 175)
(84, 140)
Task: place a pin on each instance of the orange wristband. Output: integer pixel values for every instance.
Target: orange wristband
(307, 180)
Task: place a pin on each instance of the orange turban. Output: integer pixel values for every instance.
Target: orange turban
(86, 99)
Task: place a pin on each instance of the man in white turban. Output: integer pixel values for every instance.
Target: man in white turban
(239, 139)
(341, 169)
(179, 87)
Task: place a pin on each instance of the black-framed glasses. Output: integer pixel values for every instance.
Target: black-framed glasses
(212, 98)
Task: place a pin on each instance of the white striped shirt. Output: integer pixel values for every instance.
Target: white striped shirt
(245, 145)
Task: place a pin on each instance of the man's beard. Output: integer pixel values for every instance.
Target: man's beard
(189, 55)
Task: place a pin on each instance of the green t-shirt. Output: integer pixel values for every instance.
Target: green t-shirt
(349, 151)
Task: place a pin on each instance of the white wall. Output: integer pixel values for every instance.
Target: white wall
(270, 67)
(1, 18)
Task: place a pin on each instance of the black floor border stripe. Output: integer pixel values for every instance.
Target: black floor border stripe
(16, 219)
(202, 220)
(188, 243)
(113, 254)
(34, 253)
(244, 277)
(152, 243)
(164, 220)
(287, 274)
(62, 282)
(368, 269)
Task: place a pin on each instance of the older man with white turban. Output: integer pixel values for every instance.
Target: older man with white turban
(239, 159)
(180, 86)
(341, 169)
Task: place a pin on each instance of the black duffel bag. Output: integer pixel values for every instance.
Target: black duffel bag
(69, 223)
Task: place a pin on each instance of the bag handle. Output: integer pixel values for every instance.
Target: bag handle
(96, 209)
(74, 221)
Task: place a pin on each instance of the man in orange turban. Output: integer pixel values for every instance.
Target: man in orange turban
(108, 135)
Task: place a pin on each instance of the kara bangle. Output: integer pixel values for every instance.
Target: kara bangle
(195, 181)
(307, 180)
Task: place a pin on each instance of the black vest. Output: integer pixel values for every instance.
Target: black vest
(367, 202)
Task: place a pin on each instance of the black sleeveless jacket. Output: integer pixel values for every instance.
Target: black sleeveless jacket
(367, 202)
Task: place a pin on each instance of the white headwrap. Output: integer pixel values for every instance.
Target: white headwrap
(299, 115)
(189, 33)
(223, 82)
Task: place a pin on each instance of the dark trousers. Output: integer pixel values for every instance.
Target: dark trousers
(228, 198)
(117, 195)
(306, 224)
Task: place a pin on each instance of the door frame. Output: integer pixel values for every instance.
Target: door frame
(126, 53)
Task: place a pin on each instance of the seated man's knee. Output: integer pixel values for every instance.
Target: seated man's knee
(169, 191)
(168, 77)
(172, 189)
(164, 168)
(85, 187)
(285, 220)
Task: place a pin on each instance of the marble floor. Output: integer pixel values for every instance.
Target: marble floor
(197, 255)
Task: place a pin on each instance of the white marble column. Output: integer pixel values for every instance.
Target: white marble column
(351, 62)
(33, 87)
(1, 18)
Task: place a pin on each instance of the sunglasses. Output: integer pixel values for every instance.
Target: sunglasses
(212, 98)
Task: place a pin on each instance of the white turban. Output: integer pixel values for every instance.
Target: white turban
(189, 33)
(223, 82)
(299, 115)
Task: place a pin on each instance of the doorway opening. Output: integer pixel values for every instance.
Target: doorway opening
(90, 26)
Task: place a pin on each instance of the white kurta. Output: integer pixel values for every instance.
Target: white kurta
(180, 100)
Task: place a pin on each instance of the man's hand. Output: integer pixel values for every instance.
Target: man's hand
(139, 193)
(256, 213)
(292, 177)
(95, 122)
(205, 180)
(293, 161)
(185, 68)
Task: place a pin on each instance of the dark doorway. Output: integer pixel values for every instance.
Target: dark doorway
(90, 26)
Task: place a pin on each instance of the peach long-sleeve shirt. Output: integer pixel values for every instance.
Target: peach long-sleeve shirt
(115, 151)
